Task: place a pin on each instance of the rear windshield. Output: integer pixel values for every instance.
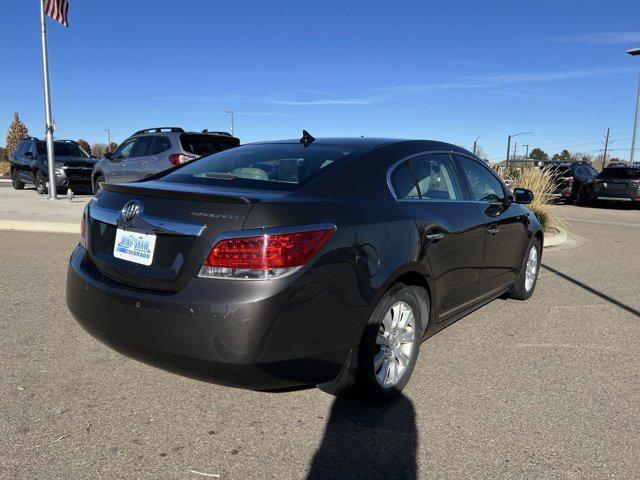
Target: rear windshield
(620, 172)
(561, 171)
(206, 144)
(63, 149)
(263, 166)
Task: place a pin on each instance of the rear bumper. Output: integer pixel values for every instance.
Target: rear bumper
(228, 332)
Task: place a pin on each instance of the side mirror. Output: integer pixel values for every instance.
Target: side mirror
(522, 195)
(108, 155)
(28, 154)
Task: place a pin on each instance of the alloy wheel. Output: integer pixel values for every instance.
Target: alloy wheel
(531, 268)
(394, 345)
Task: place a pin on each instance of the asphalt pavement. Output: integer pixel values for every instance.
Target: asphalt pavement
(548, 388)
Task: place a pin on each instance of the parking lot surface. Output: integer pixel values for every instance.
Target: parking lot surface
(548, 388)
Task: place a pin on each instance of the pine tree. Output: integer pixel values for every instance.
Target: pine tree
(17, 131)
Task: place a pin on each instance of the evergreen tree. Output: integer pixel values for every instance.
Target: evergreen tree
(17, 131)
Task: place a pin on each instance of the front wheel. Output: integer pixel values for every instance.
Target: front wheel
(526, 283)
(15, 182)
(41, 182)
(390, 345)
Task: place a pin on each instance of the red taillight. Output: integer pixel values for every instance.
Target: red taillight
(264, 256)
(180, 158)
(570, 180)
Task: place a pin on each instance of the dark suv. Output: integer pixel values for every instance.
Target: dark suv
(72, 169)
(573, 181)
(618, 184)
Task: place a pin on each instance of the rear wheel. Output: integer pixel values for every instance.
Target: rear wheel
(526, 284)
(40, 182)
(390, 345)
(17, 184)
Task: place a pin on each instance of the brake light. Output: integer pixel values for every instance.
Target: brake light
(180, 158)
(570, 180)
(264, 256)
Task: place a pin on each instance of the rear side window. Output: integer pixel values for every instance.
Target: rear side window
(271, 166)
(621, 172)
(160, 144)
(403, 182)
(142, 147)
(206, 144)
(484, 186)
(436, 177)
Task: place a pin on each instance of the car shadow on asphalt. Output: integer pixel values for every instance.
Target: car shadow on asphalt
(368, 441)
(593, 291)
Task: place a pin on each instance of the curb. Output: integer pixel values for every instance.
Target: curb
(44, 227)
(555, 240)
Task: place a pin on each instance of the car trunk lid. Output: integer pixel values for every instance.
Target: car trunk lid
(185, 219)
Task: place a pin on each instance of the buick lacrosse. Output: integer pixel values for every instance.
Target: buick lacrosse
(285, 264)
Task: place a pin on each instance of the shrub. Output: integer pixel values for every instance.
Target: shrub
(4, 168)
(540, 182)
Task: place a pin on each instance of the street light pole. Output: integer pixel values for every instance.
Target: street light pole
(526, 155)
(635, 52)
(509, 137)
(232, 124)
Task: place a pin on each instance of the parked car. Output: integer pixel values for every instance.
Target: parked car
(153, 150)
(330, 272)
(618, 184)
(573, 181)
(29, 165)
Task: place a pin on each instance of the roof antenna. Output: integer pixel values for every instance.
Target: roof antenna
(306, 139)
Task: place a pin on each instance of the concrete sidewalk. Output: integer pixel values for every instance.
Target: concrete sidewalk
(25, 210)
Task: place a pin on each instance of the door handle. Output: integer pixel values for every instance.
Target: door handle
(492, 229)
(435, 236)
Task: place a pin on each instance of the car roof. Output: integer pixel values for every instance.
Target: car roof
(351, 141)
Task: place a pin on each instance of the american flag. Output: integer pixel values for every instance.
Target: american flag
(58, 10)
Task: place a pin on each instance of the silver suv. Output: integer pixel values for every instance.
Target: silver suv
(154, 150)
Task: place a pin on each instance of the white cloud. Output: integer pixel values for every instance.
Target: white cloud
(601, 38)
(325, 101)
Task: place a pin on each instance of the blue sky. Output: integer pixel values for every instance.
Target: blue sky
(450, 71)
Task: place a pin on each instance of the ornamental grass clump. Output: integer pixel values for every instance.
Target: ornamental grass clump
(540, 182)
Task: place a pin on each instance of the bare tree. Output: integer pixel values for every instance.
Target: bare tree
(98, 149)
(84, 144)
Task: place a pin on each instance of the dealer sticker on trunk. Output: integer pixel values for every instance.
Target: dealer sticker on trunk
(134, 247)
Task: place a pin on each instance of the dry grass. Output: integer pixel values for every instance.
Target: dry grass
(540, 182)
(4, 168)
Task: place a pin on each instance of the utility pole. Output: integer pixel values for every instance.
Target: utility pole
(508, 149)
(515, 150)
(108, 139)
(475, 145)
(49, 125)
(606, 146)
(526, 155)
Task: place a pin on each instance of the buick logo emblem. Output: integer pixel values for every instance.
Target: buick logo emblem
(130, 210)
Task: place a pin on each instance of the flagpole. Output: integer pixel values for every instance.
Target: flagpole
(49, 127)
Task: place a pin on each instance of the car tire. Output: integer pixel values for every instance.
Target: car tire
(40, 182)
(390, 345)
(95, 186)
(528, 278)
(17, 184)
